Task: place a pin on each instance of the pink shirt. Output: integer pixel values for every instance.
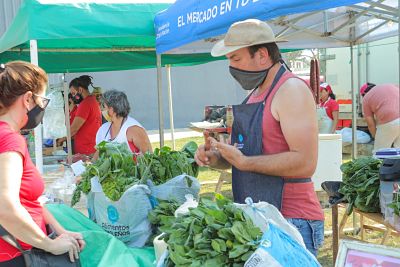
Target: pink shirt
(382, 101)
(299, 199)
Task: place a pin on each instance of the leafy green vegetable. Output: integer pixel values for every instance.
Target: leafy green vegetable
(213, 234)
(117, 170)
(165, 164)
(395, 205)
(360, 185)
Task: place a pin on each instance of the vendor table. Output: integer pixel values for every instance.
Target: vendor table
(338, 229)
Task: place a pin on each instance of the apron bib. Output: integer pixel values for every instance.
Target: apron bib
(247, 133)
(324, 122)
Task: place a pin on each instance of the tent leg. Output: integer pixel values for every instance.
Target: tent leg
(171, 110)
(160, 104)
(67, 124)
(354, 108)
(38, 129)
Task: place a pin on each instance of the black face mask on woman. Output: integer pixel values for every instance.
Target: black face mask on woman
(35, 116)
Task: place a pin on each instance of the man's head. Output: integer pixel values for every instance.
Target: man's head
(249, 39)
(366, 88)
(251, 49)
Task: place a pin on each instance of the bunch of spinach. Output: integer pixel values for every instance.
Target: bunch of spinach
(163, 214)
(115, 169)
(165, 163)
(360, 185)
(213, 234)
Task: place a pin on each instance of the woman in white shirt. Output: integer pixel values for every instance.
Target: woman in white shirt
(122, 128)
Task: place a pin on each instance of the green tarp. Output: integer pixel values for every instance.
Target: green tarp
(84, 36)
(102, 249)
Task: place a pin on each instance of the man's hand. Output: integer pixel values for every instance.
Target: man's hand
(230, 153)
(204, 157)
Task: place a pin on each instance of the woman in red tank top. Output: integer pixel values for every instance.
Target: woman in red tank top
(22, 105)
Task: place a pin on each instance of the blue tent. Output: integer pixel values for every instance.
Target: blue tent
(193, 26)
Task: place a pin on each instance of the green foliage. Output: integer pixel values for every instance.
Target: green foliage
(117, 170)
(213, 234)
(360, 185)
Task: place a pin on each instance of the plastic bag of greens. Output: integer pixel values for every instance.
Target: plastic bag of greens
(126, 218)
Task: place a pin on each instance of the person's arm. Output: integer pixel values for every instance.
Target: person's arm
(16, 219)
(294, 107)
(335, 115)
(76, 125)
(49, 219)
(139, 137)
(371, 125)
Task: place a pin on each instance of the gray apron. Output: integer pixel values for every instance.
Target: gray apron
(247, 133)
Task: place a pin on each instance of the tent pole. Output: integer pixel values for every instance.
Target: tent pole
(160, 104)
(67, 124)
(171, 109)
(354, 108)
(38, 130)
(398, 28)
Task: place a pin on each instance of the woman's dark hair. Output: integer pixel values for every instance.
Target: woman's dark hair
(82, 81)
(118, 101)
(17, 78)
(272, 48)
(369, 87)
(333, 96)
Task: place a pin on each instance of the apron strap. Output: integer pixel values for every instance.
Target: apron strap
(278, 76)
(297, 180)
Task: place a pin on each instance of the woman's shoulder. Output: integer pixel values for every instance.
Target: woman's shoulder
(10, 140)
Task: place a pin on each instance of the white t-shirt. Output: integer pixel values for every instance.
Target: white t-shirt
(104, 133)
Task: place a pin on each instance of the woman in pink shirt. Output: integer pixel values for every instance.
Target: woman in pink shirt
(381, 110)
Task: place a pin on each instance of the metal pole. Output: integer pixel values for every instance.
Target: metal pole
(171, 110)
(354, 108)
(367, 62)
(38, 130)
(67, 124)
(160, 104)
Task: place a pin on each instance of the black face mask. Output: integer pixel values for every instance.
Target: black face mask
(77, 99)
(249, 79)
(35, 116)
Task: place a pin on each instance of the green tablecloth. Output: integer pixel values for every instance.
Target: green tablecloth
(102, 249)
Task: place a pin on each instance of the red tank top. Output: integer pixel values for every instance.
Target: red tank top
(299, 199)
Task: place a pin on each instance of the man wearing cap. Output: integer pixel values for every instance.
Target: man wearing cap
(381, 109)
(274, 134)
(328, 112)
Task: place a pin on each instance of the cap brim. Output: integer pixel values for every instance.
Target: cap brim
(220, 49)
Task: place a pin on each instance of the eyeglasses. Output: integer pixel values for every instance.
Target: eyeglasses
(44, 101)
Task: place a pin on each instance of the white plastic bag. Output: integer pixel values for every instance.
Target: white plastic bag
(126, 218)
(263, 213)
(54, 117)
(184, 208)
(176, 188)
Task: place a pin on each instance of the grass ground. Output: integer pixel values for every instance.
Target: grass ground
(325, 256)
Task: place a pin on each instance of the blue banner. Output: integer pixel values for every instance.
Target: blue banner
(187, 21)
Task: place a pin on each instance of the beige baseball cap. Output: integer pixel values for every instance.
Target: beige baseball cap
(243, 34)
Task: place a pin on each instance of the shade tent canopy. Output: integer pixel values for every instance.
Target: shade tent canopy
(83, 36)
(192, 26)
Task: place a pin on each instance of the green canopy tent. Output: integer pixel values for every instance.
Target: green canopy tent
(88, 35)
